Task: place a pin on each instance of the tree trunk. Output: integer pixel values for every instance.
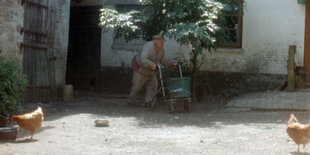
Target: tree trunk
(194, 75)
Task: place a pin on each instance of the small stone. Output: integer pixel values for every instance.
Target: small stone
(102, 123)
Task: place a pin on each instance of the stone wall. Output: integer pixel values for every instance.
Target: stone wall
(115, 80)
(11, 22)
(118, 80)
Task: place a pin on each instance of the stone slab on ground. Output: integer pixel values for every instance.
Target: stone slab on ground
(273, 100)
(236, 109)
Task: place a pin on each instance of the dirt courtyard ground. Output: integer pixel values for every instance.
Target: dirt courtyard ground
(69, 128)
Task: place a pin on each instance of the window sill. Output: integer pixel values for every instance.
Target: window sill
(229, 51)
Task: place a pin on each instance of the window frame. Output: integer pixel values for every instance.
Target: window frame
(238, 44)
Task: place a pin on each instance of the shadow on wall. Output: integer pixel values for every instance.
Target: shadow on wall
(118, 80)
(252, 64)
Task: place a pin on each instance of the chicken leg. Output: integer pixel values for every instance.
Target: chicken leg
(31, 136)
(27, 132)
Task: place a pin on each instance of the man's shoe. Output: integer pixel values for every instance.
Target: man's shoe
(149, 105)
(129, 104)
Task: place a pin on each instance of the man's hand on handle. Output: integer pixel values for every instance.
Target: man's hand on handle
(175, 64)
(153, 67)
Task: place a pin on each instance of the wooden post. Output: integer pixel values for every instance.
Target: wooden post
(291, 68)
(307, 43)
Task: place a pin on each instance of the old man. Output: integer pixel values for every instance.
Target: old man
(144, 65)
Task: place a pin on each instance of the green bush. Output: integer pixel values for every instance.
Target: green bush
(12, 85)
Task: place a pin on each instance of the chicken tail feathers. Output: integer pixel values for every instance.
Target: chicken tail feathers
(39, 109)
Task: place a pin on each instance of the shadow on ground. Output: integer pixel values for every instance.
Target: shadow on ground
(208, 113)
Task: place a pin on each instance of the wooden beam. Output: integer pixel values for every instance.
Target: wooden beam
(34, 4)
(291, 68)
(307, 43)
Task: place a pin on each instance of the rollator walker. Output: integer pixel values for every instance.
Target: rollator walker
(177, 91)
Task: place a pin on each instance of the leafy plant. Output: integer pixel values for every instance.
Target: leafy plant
(12, 84)
(196, 23)
(127, 25)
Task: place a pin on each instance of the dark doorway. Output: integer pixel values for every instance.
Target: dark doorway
(83, 64)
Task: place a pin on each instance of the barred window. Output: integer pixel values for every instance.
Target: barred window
(233, 29)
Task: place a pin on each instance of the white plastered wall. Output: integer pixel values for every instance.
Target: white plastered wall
(269, 27)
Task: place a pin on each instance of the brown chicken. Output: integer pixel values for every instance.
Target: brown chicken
(300, 133)
(30, 122)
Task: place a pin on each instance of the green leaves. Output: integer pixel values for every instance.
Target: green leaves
(127, 25)
(192, 22)
(111, 19)
(12, 84)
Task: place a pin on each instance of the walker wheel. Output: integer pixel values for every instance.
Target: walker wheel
(149, 105)
(187, 107)
(171, 107)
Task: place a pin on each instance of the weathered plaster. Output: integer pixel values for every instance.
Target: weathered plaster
(11, 21)
(269, 27)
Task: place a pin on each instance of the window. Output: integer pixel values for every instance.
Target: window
(233, 29)
(121, 43)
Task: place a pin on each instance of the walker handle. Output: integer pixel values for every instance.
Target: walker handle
(160, 73)
(180, 70)
(161, 80)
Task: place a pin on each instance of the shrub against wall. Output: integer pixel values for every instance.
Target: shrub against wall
(12, 85)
